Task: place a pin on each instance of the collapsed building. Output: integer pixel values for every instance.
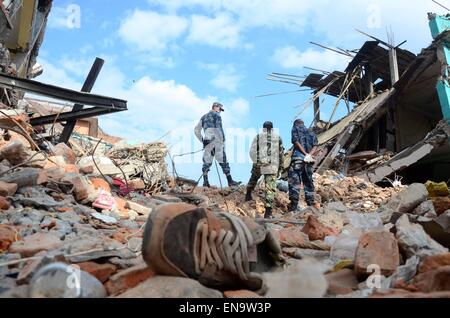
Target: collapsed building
(85, 207)
(399, 125)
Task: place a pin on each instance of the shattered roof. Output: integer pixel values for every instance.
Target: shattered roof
(319, 81)
(378, 58)
(371, 52)
(357, 115)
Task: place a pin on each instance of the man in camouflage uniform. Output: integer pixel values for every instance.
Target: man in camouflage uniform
(214, 144)
(301, 169)
(267, 156)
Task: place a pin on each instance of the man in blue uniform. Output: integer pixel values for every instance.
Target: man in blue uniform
(301, 169)
(214, 144)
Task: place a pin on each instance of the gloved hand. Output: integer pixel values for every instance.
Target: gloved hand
(309, 159)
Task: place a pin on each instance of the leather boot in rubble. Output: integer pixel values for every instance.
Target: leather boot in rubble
(219, 250)
(206, 182)
(232, 183)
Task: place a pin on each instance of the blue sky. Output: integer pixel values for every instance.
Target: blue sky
(172, 59)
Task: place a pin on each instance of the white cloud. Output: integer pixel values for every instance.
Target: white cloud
(225, 76)
(334, 22)
(58, 18)
(221, 31)
(151, 31)
(56, 75)
(155, 106)
(291, 58)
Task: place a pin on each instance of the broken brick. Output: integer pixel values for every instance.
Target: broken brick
(244, 294)
(33, 244)
(121, 204)
(70, 168)
(31, 267)
(100, 271)
(434, 262)
(342, 283)
(136, 184)
(7, 189)
(434, 281)
(128, 278)
(142, 210)
(441, 205)
(64, 151)
(379, 248)
(81, 185)
(100, 184)
(26, 177)
(55, 174)
(316, 231)
(55, 162)
(8, 235)
(15, 152)
(4, 204)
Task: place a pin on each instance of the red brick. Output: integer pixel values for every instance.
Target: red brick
(121, 204)
(71, 168)
(400, 293)
(55, 174)
(55, 162)
(136, 184)
(33, 244)
(434, 262)
(81, 185)
(8, 235)
(295, 238)
(4, 204)
(377, 248)
(434, 281)
(100, 271)
(129, 278)
(342, 283)
(100, 184)
(244, 294)
(441, 205)
(7, 189)
(316, 231)
(63, 150)
(123, 235)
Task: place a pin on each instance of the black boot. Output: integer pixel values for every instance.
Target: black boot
(248, 196)
(231, 182)
(206, 182)
(293, 207)
(268, 214)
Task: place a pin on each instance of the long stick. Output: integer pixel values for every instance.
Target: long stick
(441, 5)
(333, 50)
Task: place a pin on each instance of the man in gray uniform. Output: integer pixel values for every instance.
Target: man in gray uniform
(214, 144)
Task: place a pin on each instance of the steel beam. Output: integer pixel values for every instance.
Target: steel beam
(64, 94)
(87, 88)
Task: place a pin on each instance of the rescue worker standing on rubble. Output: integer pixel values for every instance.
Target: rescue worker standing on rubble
(214, 144)
(266, 153)
(301, 169)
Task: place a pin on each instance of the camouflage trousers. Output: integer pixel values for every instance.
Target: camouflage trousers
(299, 173)
(270, 181)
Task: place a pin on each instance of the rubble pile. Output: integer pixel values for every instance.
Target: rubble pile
(356, 193)
(58, 210)
(144, 162)
(233, 200)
